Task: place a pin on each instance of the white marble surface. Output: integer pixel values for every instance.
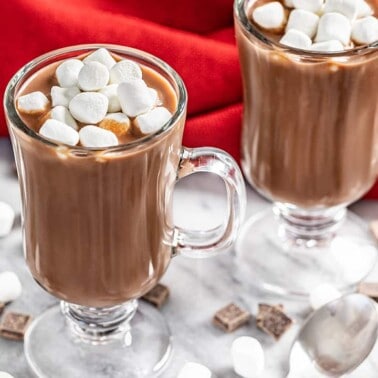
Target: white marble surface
(198, 287)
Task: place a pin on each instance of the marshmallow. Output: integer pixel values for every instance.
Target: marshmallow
(93, 76)
(62, 114)
(365, 30)
(32, 103)
(304, 21)
(328, 46)
(102, 56)
(322, 295)
(135, 97)
(89, 107)
(314, 6)
(194, 370)
(110, 91)
(68, 72)
(297, 39)
(93, 136)
(334, 26)
(59, 132)
(248, 357)
(270, 16)
(153, 120)
(10, 287)
(6, 219)
(289, 3)
(125, 70)
(364, 9)
(349, 8)
(3, 374)
(118, 123)
(63, 96)
(155, 97)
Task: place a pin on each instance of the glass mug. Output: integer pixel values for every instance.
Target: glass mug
(98, 233)
(309, 145)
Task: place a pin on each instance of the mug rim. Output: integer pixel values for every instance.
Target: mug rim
(251, 30)
(54, 55)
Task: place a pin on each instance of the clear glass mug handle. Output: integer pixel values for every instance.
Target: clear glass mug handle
(208, 242)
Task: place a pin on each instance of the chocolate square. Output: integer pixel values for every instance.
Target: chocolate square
(272, 320)
(231, 317)
(158, 295)
(14, 325)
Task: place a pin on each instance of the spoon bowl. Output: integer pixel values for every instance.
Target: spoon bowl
(339, 336)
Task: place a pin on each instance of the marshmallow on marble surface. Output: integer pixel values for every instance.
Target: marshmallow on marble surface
(4, 374)
(93, 76)
(125, 70)
(334, 26)
(96, 137)
(304, 21)
(62, 114)
(365, 30)
(153, 120)
(118, 123)
(110, 91)
(314, 6)
(6, 219)
(10, 287)
(32, 103)
(89, 107)
(101, 55)
(59, 132)
(194, 370)
(328, 46)
(322, 295)
(364, 9)
(270, 16)
(63, 96)
(68, 72)
(289, 3)
(135, 97)
(248, 357)
(297, 39)
(348, 8)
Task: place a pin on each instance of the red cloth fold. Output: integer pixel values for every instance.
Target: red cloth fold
(195, 37)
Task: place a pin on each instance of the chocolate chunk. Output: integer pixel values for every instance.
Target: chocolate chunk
(157, 295)
(231, 317)
(272, 320)
(369, 289)
(13, 325)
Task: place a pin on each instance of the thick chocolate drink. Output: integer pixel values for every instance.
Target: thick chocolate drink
(310, 128)
(98, 222)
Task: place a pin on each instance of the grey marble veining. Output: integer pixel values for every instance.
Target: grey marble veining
(198, 287)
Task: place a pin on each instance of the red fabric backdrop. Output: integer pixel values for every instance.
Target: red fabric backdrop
(195, 37)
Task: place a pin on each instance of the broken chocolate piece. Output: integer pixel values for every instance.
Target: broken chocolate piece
(14, 325)
(231, 317)
(369, 289)
(272, 320)
(157, 295)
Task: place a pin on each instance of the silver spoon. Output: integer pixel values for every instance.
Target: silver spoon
(337, 338)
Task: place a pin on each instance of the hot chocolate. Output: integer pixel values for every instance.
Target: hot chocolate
(98, 225)
(310, 128)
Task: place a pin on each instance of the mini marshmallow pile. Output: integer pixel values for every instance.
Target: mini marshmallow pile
(96, 101)
(319, 25)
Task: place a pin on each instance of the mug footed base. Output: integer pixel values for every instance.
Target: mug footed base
(53, 350)
(281, 265)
